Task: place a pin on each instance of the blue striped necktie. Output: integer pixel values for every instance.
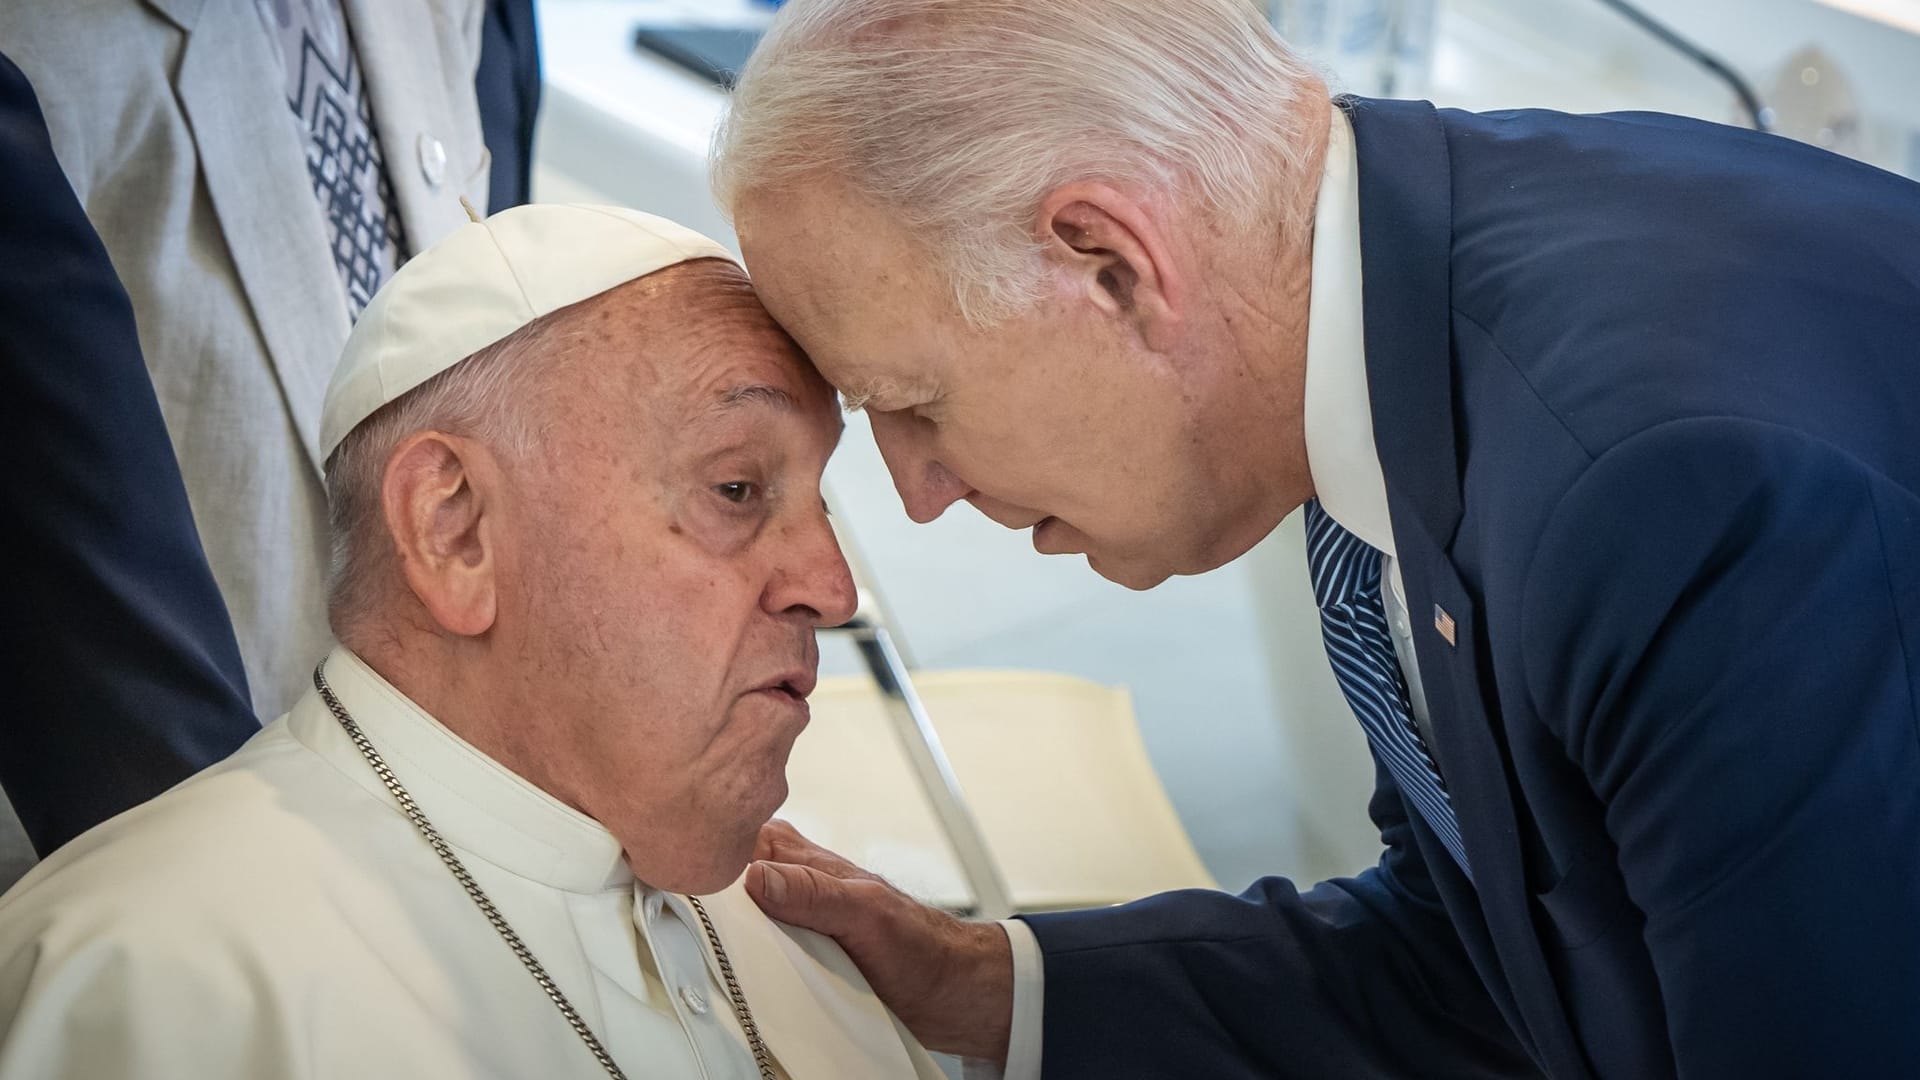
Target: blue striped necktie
(1353, 620)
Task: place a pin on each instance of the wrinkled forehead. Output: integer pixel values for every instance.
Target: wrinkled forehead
(694, 346)
(728, 351)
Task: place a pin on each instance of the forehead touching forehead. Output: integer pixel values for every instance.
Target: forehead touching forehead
(731, 352)
(853, 288)
(687, 345)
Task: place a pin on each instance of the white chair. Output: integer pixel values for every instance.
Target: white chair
(1052, 768)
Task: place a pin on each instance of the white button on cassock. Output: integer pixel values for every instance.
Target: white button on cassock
(695, 1000)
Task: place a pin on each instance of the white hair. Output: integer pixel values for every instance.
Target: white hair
(487, 397)
(960, 116)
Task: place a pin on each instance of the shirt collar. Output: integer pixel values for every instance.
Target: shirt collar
(476, 803)
(1345, 466)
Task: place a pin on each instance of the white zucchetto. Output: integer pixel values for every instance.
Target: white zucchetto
(485, 281)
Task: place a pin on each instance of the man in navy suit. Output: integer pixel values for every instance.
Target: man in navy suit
(507, 82)
(1608, 435)
(118, 665)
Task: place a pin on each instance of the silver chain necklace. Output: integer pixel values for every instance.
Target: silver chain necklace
(761, 1056)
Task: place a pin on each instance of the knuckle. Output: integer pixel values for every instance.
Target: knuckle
(804, 887)
(829, 891)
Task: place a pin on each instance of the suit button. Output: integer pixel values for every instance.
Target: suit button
(433, 160)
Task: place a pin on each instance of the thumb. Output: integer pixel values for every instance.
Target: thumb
(802, 896)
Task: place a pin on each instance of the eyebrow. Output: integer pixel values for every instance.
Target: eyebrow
(760, 394)
(757, 394)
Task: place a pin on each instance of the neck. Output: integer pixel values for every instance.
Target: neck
(1265, 298)
(458, 682)
(465, 684)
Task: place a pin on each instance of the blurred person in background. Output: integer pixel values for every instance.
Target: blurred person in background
(256, 175)
(508, 88)
(119, 666)
(256, 171)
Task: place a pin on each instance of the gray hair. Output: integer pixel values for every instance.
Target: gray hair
(962, 115)
(485, 397)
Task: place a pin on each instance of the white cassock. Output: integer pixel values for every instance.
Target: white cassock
(277, 916)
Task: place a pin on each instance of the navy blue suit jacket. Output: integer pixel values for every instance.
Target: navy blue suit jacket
(119, 676)
(1647, 396)
(507, 84)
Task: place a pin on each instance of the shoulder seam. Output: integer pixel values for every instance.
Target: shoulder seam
(1527, 583)
(1524, 381)
(1893, 598)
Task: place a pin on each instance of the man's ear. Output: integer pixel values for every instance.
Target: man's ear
(1117, 255)
(442, 514)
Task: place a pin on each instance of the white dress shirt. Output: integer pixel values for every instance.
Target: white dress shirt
(1347, 480)
(277, 917)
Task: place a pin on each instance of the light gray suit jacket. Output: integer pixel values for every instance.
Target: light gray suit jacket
(170, 117)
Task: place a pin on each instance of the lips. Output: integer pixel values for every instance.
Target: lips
(793, 685)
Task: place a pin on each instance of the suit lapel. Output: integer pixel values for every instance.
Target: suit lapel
(1406, 241)
(231, 90)
(427, 116)
(1470, 749)
(182, 13)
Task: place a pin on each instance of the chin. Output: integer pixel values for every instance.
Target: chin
(704, 878)
(715, 882)
(714, 836)
(1131, 575)
(706, 861)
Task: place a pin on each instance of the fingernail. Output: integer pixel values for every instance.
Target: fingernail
(773, 886)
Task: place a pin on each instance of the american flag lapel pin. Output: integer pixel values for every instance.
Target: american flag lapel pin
(1443, 622)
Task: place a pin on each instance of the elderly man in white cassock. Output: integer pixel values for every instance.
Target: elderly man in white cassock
(581, 553)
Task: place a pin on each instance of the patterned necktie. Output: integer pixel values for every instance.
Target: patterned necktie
(327, 91)
(1353, 620)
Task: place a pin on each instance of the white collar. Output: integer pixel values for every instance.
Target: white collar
(813, 1007)
(1341, 456)
(478, 804)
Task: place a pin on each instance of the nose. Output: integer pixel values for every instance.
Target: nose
(926, 487)
(814, 580)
